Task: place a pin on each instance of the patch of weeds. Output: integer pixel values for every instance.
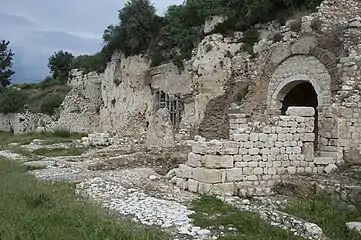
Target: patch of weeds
(61, 133)
(34, 209)
(57, 152)
(295, 25)
(277, 37)
(58, 136)
(332, 40)
(328, 212)
(211, 212)
(33, 167)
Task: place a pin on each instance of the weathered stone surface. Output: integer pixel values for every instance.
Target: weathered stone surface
(194, 160)
(207, 175)
(324, 160)
(215, 161)
(301, 111)
(354, 226)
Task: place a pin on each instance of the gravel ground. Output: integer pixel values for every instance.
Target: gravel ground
(149, 198)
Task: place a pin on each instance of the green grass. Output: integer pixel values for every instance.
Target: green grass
(57, 152)
(33, 167)
(211, 212)
(58, 136)
(328, 212)
(33, 209)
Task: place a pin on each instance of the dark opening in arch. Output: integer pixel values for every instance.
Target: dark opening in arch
(302, 95)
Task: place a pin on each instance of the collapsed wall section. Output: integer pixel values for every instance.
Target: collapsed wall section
(257, 155)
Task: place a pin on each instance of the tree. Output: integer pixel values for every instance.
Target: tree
(6, 62)
(138, 26)
(60, 64)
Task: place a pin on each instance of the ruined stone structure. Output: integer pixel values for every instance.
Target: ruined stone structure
(242, 100)
(257, 155)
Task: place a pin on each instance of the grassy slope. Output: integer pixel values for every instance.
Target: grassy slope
(32, 209)
(328, 212)
(212, 212)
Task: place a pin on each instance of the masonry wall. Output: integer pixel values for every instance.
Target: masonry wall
(257, 155)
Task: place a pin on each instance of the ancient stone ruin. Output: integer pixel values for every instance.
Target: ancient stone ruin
(293, 106)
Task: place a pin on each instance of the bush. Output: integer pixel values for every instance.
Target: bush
(12, 100)
(172, 37)
(62, 133)
(51, 102)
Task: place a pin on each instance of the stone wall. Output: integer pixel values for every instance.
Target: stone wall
(257, 155)
(20, 123)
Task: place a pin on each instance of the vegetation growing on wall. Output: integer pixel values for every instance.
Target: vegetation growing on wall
(173, 36)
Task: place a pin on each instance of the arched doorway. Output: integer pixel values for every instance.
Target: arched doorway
(302, 94)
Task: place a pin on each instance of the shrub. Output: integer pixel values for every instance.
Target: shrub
(62, 133)
(12, 100)
(277, 37)
(51, 102)
(295, 25)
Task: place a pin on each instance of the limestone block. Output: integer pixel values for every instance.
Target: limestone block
(330, 168)
(248, 144)
(238, 158)
(230, 147)
(265, 151)
(227, 189)
(272, 171)
(263, 137)
(251, 178)
(243, 151)
(247, 158)
(214, 147)
(291, 170)
(300, 169)
(253, 151)
(323, 160)
(253, 164)
(234, 174)
(258, 171)
(301, 111)
(199, 147)
(308, 137)
(254, 137)
(241, 164)
(194, 160)
(243, 137)
(185, 171)
(193, 185)
(204, 188)
(207, 175)
(259, 144)
(218, 161)
(281, 137)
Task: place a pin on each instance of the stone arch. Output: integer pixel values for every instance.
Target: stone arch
(275, 101)
(296, 69)
(257, 100)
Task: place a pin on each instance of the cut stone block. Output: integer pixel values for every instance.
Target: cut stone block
(207, 175)
(301, 111)
(215, 161)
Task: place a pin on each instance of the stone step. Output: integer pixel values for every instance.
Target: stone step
(324, 160)
(328, 154)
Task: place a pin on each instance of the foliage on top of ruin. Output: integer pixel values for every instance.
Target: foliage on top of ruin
(173, 36)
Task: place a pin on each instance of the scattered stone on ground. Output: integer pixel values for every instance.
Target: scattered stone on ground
(11, 155)
(354, 226)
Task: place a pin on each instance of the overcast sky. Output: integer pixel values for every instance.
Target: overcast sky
(37, 28)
